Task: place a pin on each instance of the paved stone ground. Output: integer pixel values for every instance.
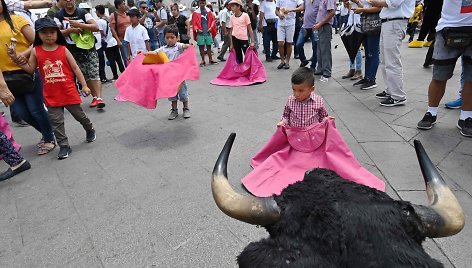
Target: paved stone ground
(140, 195)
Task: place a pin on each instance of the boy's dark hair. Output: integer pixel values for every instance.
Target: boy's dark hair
(172, 28)
(134, 13)
(158, 1)
(303, 75)
(100, 9)
(118, 2)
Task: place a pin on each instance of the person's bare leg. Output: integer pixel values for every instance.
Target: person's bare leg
(95, 87)
(185, 104)
(174, 104)
(202, 52)
(210, 58)
(288, 53)
(467, 96)
(282, 51)
(436, 92)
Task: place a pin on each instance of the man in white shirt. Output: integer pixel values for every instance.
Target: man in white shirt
(394, 17)
(456, 17)
(286, 29)
(268, 28)
(161, 22)
(225, 16)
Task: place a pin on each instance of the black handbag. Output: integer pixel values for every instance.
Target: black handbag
(185, 39)
(19, 82)
(371, 23)
(271, 25)
(457, 37)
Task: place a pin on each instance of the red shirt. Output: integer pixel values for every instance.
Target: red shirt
(304, 113)
(58, 78)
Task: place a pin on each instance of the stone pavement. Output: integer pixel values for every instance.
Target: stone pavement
(139, 196)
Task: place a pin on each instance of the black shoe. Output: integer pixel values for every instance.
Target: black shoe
(281, 66)
(427, 122)
(304, 63)
(221, 59)
(114, 78)
(368, 85)
(64, 152)
(392, 102)
(91, 135)
(104, 81)
(268, 59)
(275, 57)
(286, 66)
(318, 73)
(296, 57)
(465, 126)
(21, 123)
(382, 95)
(360, 82)
(10, 173)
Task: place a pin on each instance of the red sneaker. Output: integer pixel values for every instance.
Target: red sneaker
(94, 103)
(100, 103)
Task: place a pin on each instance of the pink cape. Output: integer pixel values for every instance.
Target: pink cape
(292, 151)
(5, 128)
(249, 72)
(143, 84)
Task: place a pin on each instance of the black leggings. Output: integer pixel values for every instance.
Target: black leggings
(240, 46)
(432, 13)
(114, 57)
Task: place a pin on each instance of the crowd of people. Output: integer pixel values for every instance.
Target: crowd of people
(72, 47)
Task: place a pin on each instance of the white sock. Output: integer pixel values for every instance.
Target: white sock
(433, 110)
(465, 115)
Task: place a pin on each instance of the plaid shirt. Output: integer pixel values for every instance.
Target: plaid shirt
(304, 113)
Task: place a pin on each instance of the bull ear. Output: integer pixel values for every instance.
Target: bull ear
(250, 209)
(444, 216)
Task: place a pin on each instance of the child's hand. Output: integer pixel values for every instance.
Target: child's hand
(251, 44)
(86, 90)
(280, 123)
(11, 52)
(330, 117)
(150, 53)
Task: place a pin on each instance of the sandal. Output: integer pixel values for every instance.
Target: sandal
(213, 62)
(46, 148)
(40, 143)
(281, 65)
(202, 63)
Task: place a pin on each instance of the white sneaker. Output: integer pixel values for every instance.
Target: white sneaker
(324, 79)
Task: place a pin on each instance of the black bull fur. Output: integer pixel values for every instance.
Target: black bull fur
(327, 221)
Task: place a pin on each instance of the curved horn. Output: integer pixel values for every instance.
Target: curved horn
(444, 216)
(250, 209)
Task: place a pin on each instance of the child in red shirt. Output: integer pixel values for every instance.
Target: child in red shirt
(57, 68)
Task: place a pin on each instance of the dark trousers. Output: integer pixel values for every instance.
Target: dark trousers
(227, 41)
(57, 119)
(432, 13)
(302, 37)
(10, 155)
(101, 64)
(240, 47)
(411, 29)
(372, 55)
(295, 38)
(114, 57)
(267, 37)
(323, 50)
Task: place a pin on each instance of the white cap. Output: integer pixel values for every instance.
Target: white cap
(84, 6)
(256, 2)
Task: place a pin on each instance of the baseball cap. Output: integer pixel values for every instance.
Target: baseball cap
(236, 2)
(84, 6)
(85, 40)
(44, 23)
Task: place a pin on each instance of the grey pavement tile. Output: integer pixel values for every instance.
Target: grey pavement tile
(457, 167)
(396, 110)
(433, 250)
(407, 133)
(387, 118)
(437, 146)
(454, 247)
(465, 147)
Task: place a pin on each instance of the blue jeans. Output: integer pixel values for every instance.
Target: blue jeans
(124, 52)
(357, 65)
(182, 95)
(162, 39)
(153, 44)
(266, 38)
(372, 54)
(30, 108)
(302, 37)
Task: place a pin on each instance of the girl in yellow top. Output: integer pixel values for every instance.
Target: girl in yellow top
(28, 106)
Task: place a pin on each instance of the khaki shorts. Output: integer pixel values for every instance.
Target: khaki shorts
(445, 59)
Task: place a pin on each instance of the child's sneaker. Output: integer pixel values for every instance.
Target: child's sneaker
(324, 79)
(64, 152)
(91, 136)
(186, 113)
(455, 104)
(100, 103)
(93, 103)
(173, 114)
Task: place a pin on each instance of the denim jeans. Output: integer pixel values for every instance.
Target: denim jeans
(153, 44)
(162, 39)
(266, 38)
(182, 95)
(30, 108)
(101, 63)
(372, 52)
(302, 37)
(124, 52)
(357, 65)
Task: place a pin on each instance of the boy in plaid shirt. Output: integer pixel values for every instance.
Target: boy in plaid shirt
(303, 107)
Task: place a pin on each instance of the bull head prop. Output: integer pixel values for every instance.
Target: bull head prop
(327, 221)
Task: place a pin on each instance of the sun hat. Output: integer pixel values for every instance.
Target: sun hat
(85, 40)
(44, 23)
(236, 2)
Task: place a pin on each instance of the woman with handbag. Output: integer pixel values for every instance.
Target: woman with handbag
(182, 22)
(27, 89)
(370, 24)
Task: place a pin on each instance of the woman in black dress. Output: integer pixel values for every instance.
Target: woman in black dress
(182, 22)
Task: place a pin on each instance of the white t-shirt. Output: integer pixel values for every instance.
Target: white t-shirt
(268, 8)
(162, 13)
(344, 10)
(174, 52)
(136, 36)
(455, 13)
(289, 19)
(104, 26)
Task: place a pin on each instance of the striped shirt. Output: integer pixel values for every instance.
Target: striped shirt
(304, 113)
